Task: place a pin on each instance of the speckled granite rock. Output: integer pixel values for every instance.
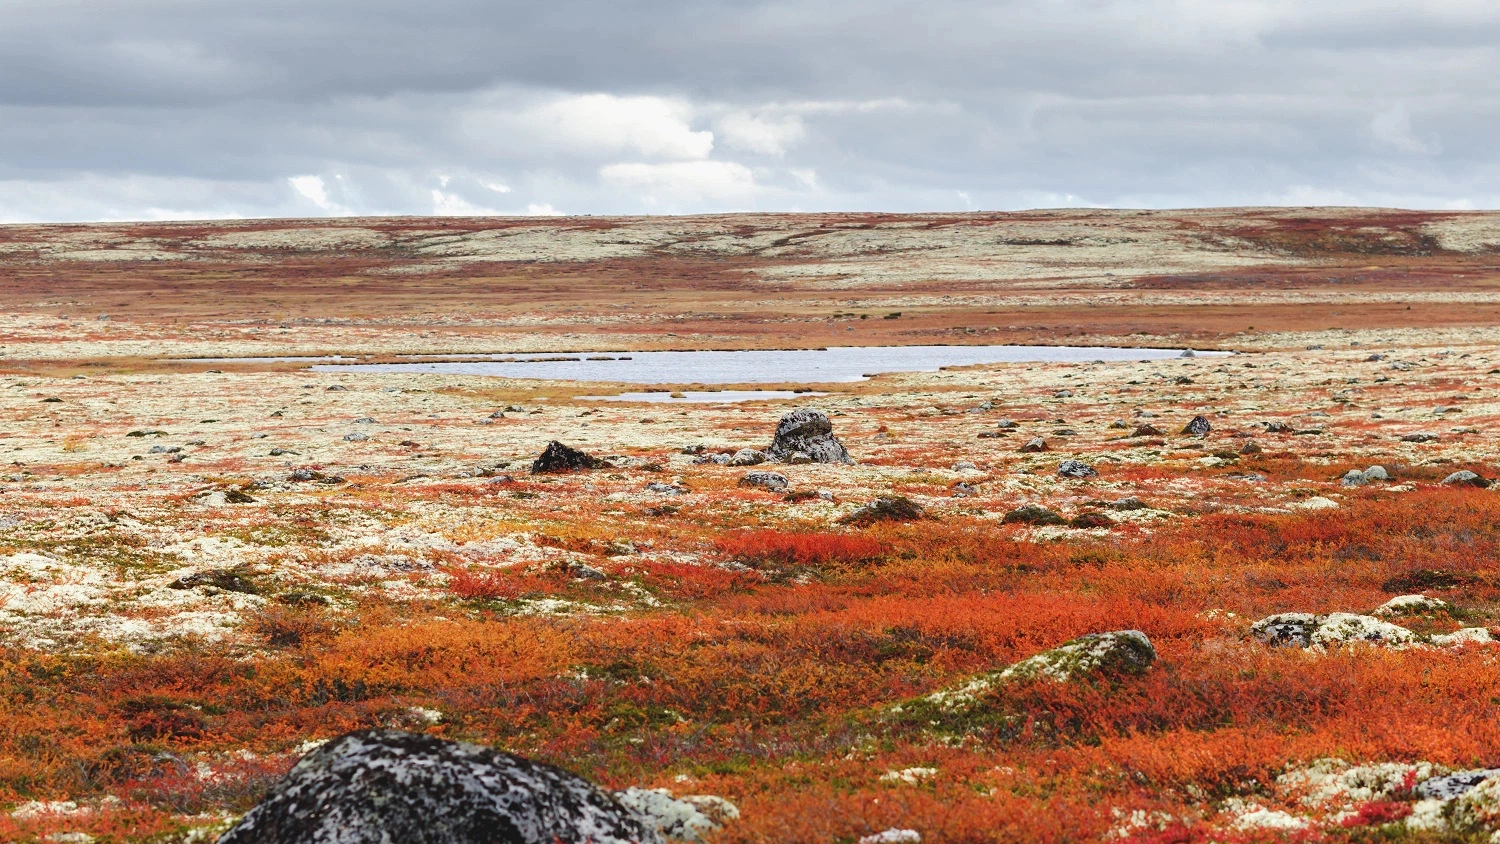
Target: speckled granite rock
(386, 786)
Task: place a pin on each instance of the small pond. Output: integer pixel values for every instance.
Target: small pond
(813, 366)
(706, 396)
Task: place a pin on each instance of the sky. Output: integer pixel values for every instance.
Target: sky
(190, 109)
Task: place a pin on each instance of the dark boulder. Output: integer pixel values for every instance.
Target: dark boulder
(557, 458)
(808, 433)
(894, 509)
(1033, 514)
(1076, 469)
(378, 786)
(1091, 520)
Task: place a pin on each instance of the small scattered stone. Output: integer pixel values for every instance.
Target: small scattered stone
(558, 458)
(1033, 514)
(228, 580)
(1419, 438)
(1076, 469)
(1091, 520)
(1197, 427)
(893, 509)
(771, 481)
(747, 457)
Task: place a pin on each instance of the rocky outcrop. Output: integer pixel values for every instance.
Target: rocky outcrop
(806, 435)
(558, 458)
(379, 786)
(1309, 630)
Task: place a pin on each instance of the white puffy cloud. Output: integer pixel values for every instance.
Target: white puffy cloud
(587, 126)
(681, 184)
(761, 133)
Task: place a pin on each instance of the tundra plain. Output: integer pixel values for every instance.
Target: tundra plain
(212, 559)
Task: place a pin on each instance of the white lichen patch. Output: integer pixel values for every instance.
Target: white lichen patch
(1406, 605)
(909, 776)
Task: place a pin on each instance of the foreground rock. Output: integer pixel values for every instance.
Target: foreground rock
(1307, 630)
(806, 435)
(558, 458)
(380, 786)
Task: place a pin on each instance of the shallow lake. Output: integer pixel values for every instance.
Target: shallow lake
(705, 397)
(844, 363)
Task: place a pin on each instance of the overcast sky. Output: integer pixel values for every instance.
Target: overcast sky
(172, 109)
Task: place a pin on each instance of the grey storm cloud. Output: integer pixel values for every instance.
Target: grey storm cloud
(191, 108)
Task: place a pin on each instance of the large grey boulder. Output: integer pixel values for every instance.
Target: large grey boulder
(807, 432)
(386, 786)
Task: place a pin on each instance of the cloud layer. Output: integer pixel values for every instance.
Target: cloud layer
(181, 109)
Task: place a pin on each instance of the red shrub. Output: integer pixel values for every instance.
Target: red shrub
(501, 585)
(777, 548)
(1382, 812)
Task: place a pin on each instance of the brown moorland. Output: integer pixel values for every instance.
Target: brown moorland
(206, 567)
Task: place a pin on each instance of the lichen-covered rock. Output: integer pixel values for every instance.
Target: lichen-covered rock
(1116, 654)
(808, 432)
(1113, 654)
(1453, 785)
(1306, 630)
(1342, 628)
(1287, 628)
(760, 479)
(1463, 636)
(385, 786)
(1406, 605)
(557, 458)
(688, 818)
(1464, 477)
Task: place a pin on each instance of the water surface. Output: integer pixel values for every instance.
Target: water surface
(843, 363)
